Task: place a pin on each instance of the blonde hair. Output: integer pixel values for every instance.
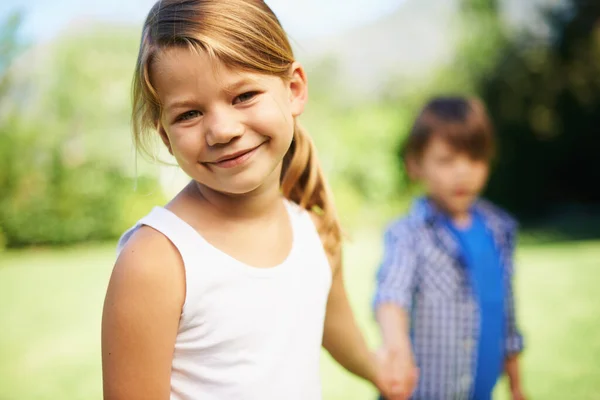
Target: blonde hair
(245, 35)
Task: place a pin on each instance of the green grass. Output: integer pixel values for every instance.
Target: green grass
(51, 302)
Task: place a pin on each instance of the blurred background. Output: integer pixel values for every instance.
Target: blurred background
(70, 183)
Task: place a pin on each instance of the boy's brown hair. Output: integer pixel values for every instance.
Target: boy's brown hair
(462, 122)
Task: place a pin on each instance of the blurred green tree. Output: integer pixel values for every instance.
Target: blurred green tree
(64, 139)
(544, 97)
(354, 138)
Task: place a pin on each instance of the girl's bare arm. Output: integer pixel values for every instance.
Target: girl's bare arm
(140, 320)
(342, 337)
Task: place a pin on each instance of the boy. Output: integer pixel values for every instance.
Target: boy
(444, 298)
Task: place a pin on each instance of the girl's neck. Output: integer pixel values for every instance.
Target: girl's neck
(258, 203)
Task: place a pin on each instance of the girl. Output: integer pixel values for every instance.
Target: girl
(229, 291)
(444, 297)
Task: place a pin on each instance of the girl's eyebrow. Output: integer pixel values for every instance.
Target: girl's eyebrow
(230, 88)
(185, 103)
(236, 85)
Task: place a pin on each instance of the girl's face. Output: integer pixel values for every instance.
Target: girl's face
(452, 179)
(228, 130)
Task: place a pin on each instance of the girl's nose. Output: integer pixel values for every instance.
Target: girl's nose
(222, 128)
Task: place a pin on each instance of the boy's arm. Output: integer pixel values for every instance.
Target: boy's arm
(513, 347)
(396, 278)
(511, 366)
(394, 327)
(514, 341)
(396, 283)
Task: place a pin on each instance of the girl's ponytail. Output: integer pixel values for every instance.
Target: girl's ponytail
(303, 182)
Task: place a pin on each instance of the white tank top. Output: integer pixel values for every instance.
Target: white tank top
(245, 332)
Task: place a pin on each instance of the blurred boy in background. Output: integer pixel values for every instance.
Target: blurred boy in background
(444, 299)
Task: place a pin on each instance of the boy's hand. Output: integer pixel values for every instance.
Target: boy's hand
(511, 367)
(517, 394)
(397, 374)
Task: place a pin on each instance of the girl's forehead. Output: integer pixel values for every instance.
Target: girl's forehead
(180, 64)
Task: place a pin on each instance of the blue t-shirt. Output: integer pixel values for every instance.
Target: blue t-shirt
(485, 270)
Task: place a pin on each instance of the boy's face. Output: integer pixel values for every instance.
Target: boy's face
(453, 179)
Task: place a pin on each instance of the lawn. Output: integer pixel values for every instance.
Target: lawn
(51, 302)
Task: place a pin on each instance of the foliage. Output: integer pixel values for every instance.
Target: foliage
(545, 101)
(63, 137)
(355, 142)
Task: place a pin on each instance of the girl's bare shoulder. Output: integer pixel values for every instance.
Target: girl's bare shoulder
(150, 262)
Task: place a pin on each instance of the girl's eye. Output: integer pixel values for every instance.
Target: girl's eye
(242, 98)
(188, 115)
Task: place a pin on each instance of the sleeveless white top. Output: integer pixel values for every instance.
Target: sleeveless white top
(245, 332)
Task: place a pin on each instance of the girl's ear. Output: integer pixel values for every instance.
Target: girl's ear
(163, 136)
(298, 86)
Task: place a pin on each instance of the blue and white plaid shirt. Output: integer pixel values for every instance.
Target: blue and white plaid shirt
(424, 272)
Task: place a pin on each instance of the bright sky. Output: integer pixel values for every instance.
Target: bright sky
(301, 18)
